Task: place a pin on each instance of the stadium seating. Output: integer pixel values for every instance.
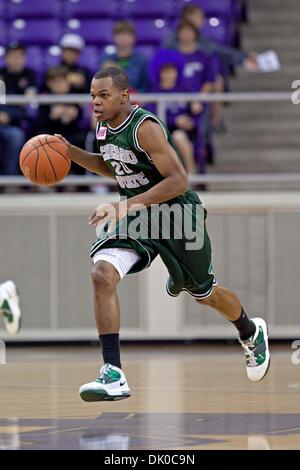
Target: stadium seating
(91, 9)
(35, 32)
(148, 10)
(32, 9)
(40, 25)
(97, 32)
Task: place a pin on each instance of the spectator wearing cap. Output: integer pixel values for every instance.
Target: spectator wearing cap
(78, 76)
(126, 57)
(18, 80)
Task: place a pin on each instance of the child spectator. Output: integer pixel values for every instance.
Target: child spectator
(166, 68)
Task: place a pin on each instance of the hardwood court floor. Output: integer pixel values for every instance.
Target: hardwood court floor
(184, 397)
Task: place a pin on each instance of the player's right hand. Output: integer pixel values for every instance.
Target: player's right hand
(61, 137)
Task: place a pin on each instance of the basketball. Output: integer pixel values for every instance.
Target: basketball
(44, 160)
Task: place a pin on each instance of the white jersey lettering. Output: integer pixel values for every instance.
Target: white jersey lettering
(113, 152)
(132, 181)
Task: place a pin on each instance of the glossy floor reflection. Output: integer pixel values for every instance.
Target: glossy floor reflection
(187, 397)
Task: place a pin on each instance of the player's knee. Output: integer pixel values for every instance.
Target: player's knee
(211, 300)
(104, 276)
(203, 301)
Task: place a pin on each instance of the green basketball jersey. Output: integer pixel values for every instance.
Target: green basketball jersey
(189, 269)
(132, 167)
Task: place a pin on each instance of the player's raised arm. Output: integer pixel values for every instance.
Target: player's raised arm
(90, 161)
(152, 140)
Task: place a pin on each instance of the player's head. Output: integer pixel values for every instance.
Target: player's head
(15, 57)
(194, 14)
(109, 91)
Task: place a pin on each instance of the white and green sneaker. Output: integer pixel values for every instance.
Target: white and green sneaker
(256, 350)
(110, 385)
(10, 307)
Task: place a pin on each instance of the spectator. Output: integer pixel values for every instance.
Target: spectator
(199, 75)
(229, 55)
(61, 118)
(21, 80)
(126, 57)
(166, 69)
(78, 76)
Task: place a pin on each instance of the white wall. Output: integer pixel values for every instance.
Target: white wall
(44, 246)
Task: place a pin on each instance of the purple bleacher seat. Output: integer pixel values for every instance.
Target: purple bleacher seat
(3, 34)
(217, 29)
(90, 9)
(35, 32)
(143, 9)
(52, 57)
(34, 58)
(94, 32)
(151, 32)
(32, 9)
(2, 8)
(89, 58)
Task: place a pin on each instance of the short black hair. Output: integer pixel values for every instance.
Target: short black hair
(119, 77)
(14, 46)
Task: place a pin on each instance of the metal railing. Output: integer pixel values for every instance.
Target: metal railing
(162, 100)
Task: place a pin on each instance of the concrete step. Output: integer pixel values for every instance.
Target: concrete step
(276, 81)
(263, 157)
(261, 30)
(289, 44)
(280, 140)
(252, 166)
(255, 5)
(273, 16)
(261, 126)
(268, 111)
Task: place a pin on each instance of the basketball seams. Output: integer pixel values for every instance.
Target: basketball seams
(29, 153)
(53, 148)
(49, 159)
(38, 172)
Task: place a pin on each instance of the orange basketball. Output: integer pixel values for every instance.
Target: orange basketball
(43, 160)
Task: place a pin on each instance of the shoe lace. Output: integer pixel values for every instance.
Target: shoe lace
(249, 350)
(104, 376)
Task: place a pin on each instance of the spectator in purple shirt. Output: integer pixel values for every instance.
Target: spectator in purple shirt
(166, 68)
(199, 72)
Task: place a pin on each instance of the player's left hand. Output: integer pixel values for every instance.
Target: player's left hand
(110, 212)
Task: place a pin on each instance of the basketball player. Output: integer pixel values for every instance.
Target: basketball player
(9, 307)
(136, 149)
